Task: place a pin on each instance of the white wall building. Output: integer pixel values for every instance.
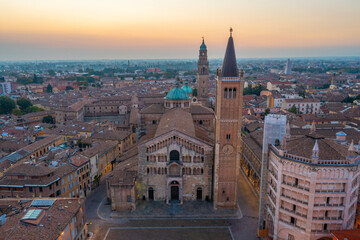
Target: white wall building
(304, 106)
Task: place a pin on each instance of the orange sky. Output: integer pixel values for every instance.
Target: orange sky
(89, 29)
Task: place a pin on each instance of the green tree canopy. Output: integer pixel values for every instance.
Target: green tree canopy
(33, 109)
(6, 105)
(49, 88)
(48, 119)
(23, 103)
(293, 109)
(250, 90)
(51, 72)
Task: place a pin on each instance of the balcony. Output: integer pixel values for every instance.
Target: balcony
(328, 218)
(328, 205)
(294, 212)
(292, 224)
(329, 191)
(294, 199)
(296, 186)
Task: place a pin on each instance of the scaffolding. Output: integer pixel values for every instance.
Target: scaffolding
(274, 130)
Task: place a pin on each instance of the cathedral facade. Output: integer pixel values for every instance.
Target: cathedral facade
(188, 151)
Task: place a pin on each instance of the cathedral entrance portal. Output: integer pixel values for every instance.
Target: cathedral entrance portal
(175, 193)
(151, 193)
(199, 193)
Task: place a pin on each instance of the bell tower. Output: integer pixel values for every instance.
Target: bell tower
(228, 111)
(203, 72)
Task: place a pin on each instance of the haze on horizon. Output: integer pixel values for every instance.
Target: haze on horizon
(142, 29)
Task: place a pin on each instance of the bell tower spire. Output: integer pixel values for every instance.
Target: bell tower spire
(203, 72)
(228, 111)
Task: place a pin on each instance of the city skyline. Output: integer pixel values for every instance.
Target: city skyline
(56, 30)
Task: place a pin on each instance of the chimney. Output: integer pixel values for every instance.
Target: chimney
(313, 128)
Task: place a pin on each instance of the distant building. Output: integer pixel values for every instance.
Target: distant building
(288, 67)
(153, 70)
(33, 219)
(303, 106)
(6, 88)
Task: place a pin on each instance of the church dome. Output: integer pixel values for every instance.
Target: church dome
(187, 88)
(177, 94)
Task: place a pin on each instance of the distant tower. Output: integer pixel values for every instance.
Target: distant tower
(228, 111)
(288, 67)
(203, 72)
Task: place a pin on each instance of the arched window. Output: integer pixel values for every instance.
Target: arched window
(230, 93)
(200, 122)
(234, 93)
(226, 93)
(174, 155)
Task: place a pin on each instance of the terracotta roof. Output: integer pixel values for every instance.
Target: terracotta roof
(302, 100)
(353, 234)
(52, 224)
(114, 135)
(99, 147)
(153, 109)
(29, 170)
(328, 149)
(176, 119)
(199, 109)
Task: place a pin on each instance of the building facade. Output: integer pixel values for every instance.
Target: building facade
(303, 106)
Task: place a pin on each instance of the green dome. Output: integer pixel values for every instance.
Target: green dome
(177, 94)
(203, 46)
(187, 88)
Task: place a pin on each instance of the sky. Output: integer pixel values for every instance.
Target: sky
(155, 29)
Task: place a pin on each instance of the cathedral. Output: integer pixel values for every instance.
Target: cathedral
(188, 152)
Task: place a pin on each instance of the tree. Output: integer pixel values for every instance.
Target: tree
(267, 111)
(51, 72)
(195, 93)
(49, 88)
(48, 119)
(6, 105)
(69, 88)
(33, 109)
(23, 103)
(16, 112)
(293, 109)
